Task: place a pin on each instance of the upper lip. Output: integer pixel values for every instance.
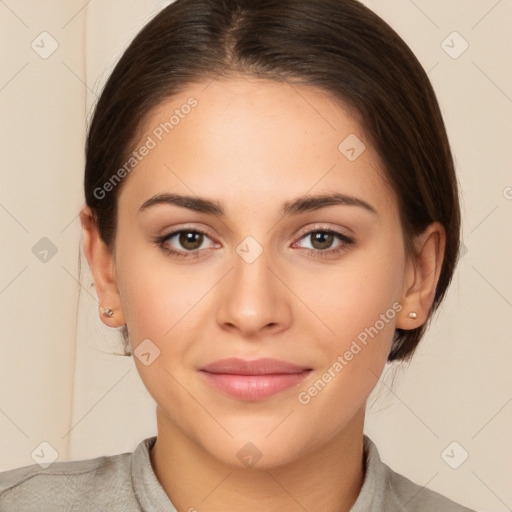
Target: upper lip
(263, 366)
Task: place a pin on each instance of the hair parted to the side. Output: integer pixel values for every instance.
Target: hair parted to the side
(340, 46)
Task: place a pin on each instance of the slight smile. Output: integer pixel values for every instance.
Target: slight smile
(253, 379)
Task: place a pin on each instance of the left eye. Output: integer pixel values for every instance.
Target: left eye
(322, 239)
(325, 238)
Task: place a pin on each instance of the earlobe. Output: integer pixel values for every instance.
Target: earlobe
(422, 275)
(101, 262)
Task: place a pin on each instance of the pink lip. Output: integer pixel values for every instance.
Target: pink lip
(253, 380)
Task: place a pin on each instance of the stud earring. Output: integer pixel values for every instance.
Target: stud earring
(108, 312)
(412, 314)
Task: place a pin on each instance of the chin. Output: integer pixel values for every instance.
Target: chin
(257, 451)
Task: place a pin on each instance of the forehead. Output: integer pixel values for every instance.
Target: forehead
(242, 139)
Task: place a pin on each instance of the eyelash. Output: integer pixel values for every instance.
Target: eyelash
(160, 242)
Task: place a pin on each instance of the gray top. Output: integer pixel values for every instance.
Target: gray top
(126, 482)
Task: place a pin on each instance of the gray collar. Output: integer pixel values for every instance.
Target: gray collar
(152, 496)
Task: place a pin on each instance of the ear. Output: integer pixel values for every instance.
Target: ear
(101, 262)
(421, 276)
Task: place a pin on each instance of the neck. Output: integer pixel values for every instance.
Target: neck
(328, 479)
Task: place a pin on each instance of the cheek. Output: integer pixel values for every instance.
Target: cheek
(156, 295)
(158, 301)
(359, 304)
(350, 298)
(362, 314)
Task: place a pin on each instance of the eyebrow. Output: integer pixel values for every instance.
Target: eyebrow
(293, 207)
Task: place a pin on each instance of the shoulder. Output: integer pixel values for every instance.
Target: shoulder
(412, 497)
(389, 491)
(77, 485)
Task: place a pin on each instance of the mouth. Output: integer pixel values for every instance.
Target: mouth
(253, 380)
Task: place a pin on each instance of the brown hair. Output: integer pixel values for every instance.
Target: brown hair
(340, 46)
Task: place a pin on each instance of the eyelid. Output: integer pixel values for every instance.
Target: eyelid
(322, 227)
(345, 240)
(302, 232)
(187, 227)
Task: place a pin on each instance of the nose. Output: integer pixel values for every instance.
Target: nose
(253, 299)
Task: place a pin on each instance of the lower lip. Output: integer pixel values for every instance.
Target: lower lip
(254, 387)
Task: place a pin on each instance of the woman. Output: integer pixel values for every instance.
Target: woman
(272, 214)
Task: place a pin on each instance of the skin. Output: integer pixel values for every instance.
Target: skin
(252, 145)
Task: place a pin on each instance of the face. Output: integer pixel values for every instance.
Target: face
(315, 287)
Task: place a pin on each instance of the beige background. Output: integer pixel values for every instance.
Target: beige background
(58, 382)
